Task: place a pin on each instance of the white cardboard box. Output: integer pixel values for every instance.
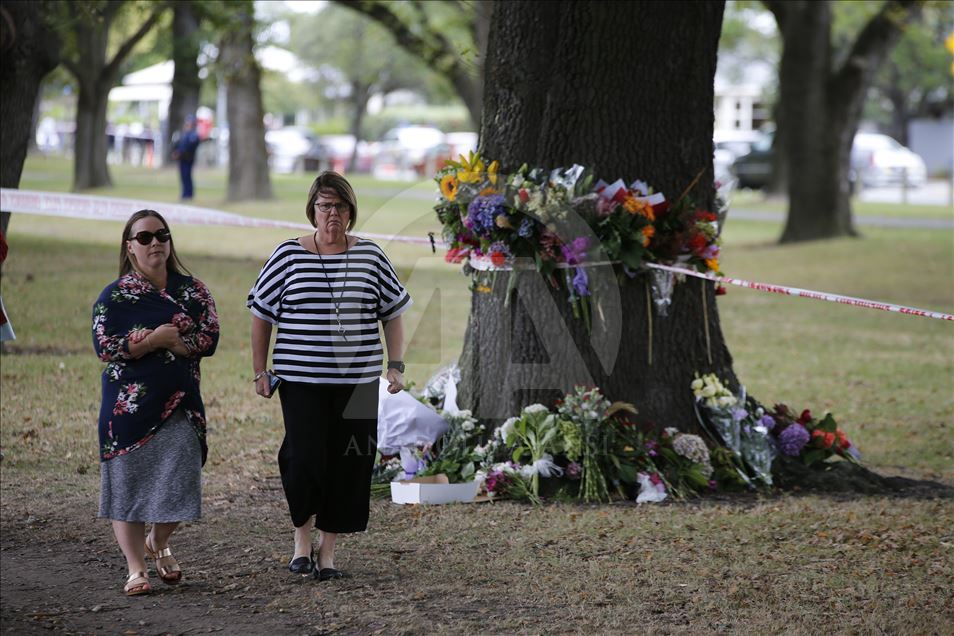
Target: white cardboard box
(432, 489)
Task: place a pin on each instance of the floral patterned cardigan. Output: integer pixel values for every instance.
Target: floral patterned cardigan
(140, 394)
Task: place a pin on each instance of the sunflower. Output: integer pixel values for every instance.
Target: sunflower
(449, 187)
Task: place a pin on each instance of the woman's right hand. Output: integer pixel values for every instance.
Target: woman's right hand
(261, 386)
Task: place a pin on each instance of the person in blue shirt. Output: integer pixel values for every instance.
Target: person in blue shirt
(183, 151)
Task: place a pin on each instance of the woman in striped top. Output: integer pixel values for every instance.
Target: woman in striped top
(326, 292)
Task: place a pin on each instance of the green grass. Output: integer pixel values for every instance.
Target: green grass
(788, 563)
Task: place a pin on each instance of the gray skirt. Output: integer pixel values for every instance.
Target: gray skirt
(160, 482)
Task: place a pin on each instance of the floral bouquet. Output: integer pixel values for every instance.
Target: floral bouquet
(721, 406)
(591, 438)
(810, 439)
(508, 479)
(537, 434)
(758, 447)
(456, 456)
(562, 220)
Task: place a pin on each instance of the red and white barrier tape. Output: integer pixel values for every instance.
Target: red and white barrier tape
(98, 208)
(807, 293)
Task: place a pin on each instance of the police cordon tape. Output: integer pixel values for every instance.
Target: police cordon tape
(80, 206)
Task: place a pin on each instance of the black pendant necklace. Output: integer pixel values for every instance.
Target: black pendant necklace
(335, 300)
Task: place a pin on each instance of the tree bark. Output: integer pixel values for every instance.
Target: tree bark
(90, 169)
(29, 51)
(562, 87)
(248, 157)
(821, 106)
(185, 80)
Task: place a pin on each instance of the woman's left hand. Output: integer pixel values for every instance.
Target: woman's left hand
(395, 381)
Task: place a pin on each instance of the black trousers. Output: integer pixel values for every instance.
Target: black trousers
(328, 453)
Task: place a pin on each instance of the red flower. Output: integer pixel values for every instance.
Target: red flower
(455, 255)
(720, 291)
(805, 417)
(697, 244)
(705, 216)
(828, 440)
(498, 258)
(524, 195)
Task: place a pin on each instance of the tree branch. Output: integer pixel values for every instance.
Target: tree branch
(442, 56)
(127, 47)
(875, 40)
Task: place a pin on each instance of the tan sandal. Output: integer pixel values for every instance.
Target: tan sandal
(136, 584)
(171, 574)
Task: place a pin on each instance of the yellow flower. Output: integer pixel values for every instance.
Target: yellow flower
(471, 168)
(503, 222)
(713, 264)
(492, 171)
(449, 186)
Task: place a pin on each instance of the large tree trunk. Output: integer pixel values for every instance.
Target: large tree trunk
(90, 169)
(96, 75)
(360, 94)
(562, 87)
(185, 80)
(29, 51)
(248, 158)
(821, 106)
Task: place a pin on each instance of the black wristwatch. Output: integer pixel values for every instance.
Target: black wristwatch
(396, 364)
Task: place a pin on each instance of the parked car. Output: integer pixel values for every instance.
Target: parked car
(729, 145)
(876, 160)
(754, 168)
(879, 160)
(410, 152)
(287, 148)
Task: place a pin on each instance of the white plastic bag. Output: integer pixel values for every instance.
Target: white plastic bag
(403, 421)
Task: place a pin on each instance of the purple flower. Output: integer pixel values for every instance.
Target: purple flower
(792, 440)
(738, 414)
(575, 252)
(573, 471)
(581, 282)
(768, 422)
(499, 246)
(483, 212)
(526, 228)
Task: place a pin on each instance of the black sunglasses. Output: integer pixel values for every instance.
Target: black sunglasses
(145, 238)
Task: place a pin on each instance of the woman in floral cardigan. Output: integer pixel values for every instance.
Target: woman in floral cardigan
(151, 326)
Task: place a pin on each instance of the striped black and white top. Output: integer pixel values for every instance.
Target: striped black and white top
(297, 289)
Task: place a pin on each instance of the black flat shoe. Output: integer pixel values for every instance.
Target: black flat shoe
(303, 565)
(327, 574)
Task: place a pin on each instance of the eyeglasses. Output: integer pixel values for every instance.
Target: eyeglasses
(326, 208)
(145, 238)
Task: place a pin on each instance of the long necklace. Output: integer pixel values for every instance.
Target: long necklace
(334, 300)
